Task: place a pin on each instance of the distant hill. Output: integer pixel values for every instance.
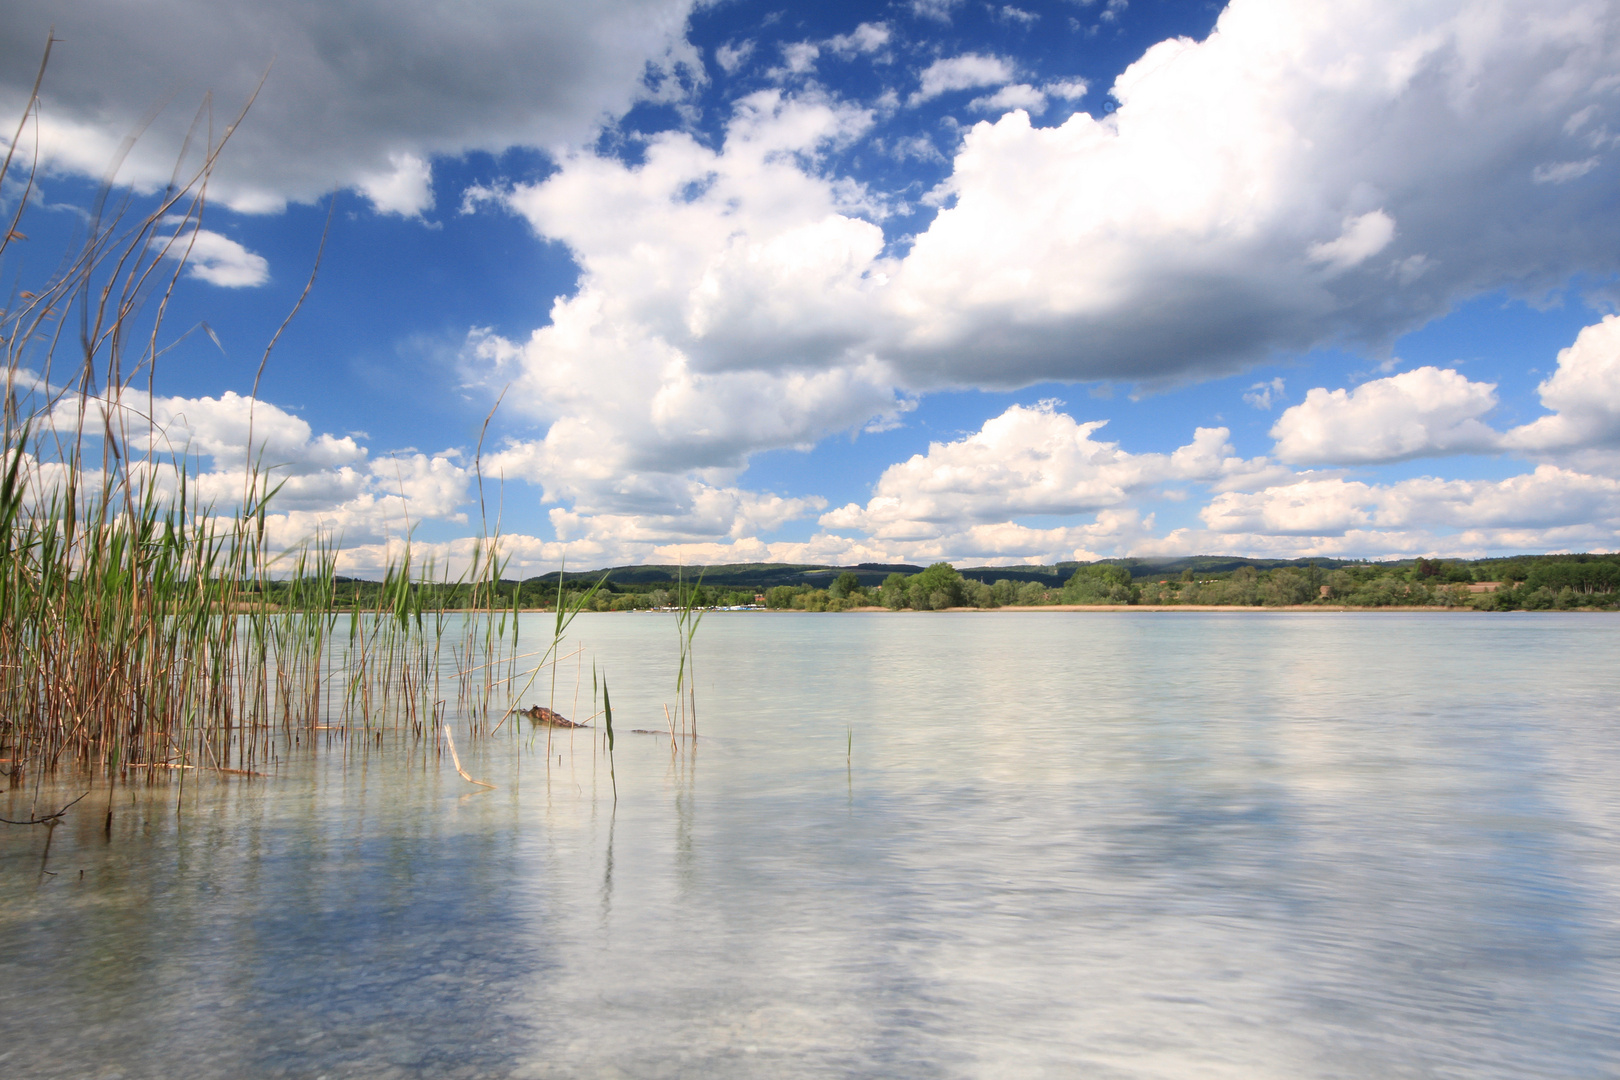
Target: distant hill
(758, 576)
(763, 576)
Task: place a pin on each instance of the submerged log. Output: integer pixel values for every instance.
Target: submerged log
(542, 715)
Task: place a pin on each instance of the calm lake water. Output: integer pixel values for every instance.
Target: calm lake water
(920, 845)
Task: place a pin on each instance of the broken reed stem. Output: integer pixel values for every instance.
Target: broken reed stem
(456, 759)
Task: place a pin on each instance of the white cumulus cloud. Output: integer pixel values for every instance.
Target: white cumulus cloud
(1259, 395)
(216, 258)
(718, 314)
(1583, 394)
(1362, 238)
(939, 10)
(1549, 497)
(1419, 413)
(1013, 96)
(731, 56)
(799, 58)
(865, 38)
(1562, 172)
(1030, 460)
(404, 188)
(1068, 89)
(326, 484)
(965, 72)
(1432, 411)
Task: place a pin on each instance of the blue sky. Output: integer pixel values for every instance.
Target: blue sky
(992, 283)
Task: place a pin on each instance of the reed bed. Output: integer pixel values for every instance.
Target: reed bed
(145, 631)
(153, 637)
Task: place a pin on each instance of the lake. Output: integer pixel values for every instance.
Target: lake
(1032, 844)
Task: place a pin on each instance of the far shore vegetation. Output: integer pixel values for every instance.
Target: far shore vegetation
(1521, 583)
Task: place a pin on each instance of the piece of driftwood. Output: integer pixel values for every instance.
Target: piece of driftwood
(542, 715)
(47, 819)
(456, 759)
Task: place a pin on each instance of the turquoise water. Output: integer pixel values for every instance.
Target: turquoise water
(917, 845)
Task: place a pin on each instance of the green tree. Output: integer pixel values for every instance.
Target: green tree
(1243, 587)
(1585, 578)
(1031, 593)
(1099, 583)
(846, 584)
(940, 586)
(892, 594)
(1287, 586)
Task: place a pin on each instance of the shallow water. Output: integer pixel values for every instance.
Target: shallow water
(1004, 844)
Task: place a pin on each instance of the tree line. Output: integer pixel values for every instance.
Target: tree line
(1520, 583)
(1528, 583)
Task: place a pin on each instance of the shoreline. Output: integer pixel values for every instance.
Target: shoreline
(1332, 609)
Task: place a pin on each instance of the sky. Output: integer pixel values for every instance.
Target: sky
(869, 282)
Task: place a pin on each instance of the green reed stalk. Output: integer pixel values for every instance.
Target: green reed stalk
(686, 623)
(607, 720)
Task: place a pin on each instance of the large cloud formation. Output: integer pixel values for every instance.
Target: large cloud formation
(361, 94)
(974, 496)
(1033, 484)
(696, 264)
(1310, 174)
